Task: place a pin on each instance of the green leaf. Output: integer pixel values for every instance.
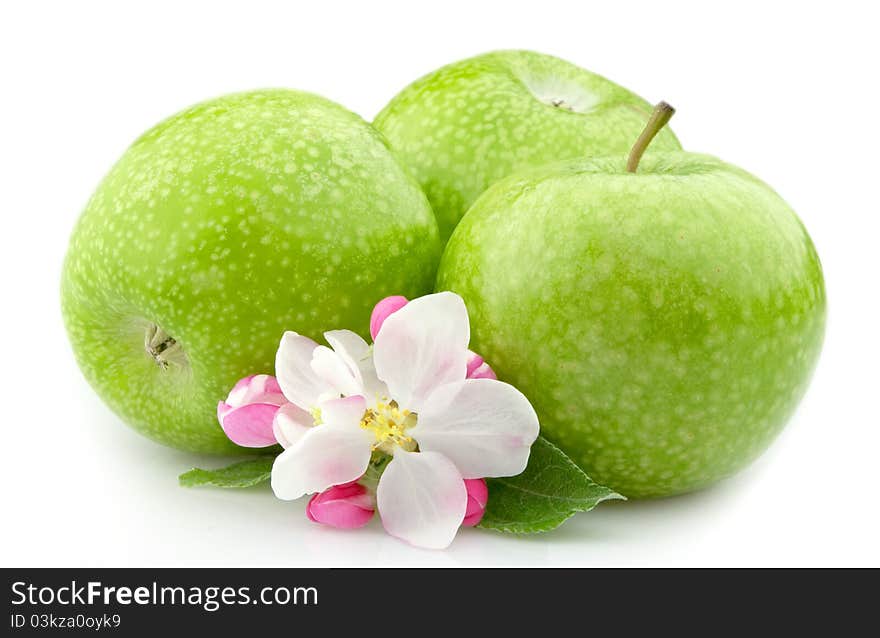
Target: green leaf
(243, 474)
(550, 490)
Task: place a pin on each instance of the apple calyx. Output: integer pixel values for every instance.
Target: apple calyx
(162, 347)
(560, 103)
(663, 112)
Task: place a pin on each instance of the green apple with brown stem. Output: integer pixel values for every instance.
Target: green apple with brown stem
(471, 123)
(663, 314)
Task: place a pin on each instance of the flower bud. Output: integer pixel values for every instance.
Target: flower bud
(477, 497)
(345, 506)
(246, 415)
(477, 368)
(385, 308)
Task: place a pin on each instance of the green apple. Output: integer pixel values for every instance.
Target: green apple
(220, 228)
(664, 322)
(467, 125)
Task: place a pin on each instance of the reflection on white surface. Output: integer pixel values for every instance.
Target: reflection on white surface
(105, 496)
(120, 504)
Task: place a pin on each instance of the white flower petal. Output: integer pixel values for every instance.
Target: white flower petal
(423, 346)
(358, 355)
(333, 370)
(323, 457)
(290, 424)
(344, 413)
(349, 346)
(293, 369)
(374, 389)
(486, 428)
(422, 498)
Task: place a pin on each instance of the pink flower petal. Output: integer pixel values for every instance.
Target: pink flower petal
(344, 413)
(382, 310)
(474, 362)
(257, 388)
(238, 393)
(483, 372)
(272, 385)
(478, 496)
(290, 424)
(486, 427)
(324, 456)
(294, 373)
(422, 499)
(335, 373)
(223, 409)
(477, 368)
(422, 347)
(343, 506)
(250, 425)
(358, 356)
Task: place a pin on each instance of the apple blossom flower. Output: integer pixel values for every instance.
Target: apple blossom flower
(412, 412)
(478, 496)
(343, 506)
(310, 375)
(476, 367)
(247, 414)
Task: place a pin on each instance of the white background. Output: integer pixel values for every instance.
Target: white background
(787, 90)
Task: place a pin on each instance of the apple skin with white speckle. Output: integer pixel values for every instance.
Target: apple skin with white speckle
(219, 229)
(473, 122)
(664, 323)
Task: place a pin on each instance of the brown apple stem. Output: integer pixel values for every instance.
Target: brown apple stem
(661, 115)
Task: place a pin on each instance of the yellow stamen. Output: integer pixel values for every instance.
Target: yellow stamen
(389, 425)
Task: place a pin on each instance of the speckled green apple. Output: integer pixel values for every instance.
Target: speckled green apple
(466, 125)
(664, 323)
(222, 227)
